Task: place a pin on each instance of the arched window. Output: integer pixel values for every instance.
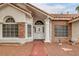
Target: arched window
(39, 23)
(10, 28)
(10, 19)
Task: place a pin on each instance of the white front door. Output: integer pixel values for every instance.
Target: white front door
(39, 32)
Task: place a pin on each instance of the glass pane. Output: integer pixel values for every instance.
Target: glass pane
(39, 23)
(9, 30)
(29, 30)
(61, 31)
(10, 20)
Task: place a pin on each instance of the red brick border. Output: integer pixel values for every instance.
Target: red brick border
(21, 30)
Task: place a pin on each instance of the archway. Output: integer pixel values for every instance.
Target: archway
(39, 31)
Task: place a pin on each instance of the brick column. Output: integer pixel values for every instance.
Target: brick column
(21, 29)
(70, 31)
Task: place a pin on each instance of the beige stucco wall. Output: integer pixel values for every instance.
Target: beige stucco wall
(50, 27)
(29, 21)
(0, 30)
(75, 31)
(47, 30)
(19, 17)
(10, 11)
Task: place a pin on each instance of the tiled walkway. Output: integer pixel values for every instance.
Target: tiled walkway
(35, 48)
(38, 48)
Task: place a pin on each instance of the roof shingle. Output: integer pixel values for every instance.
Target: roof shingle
(64, 16)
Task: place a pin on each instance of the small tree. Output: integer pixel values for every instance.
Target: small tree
(77, 8)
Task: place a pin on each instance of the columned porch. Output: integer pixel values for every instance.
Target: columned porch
(42, 30)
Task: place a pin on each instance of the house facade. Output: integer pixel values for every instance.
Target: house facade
(21, 23)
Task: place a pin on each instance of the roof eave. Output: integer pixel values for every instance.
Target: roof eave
(71, 21)
(12, 5)
(45, 13)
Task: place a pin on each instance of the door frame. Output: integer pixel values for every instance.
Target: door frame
(34, 29)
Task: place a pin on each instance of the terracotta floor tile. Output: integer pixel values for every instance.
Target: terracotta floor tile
(38, 49)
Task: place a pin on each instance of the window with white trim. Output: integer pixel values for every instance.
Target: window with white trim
(61, 31)
(29, 30)
(10, 28)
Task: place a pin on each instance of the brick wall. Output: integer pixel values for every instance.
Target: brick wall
(21, 30)
(64, 39)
